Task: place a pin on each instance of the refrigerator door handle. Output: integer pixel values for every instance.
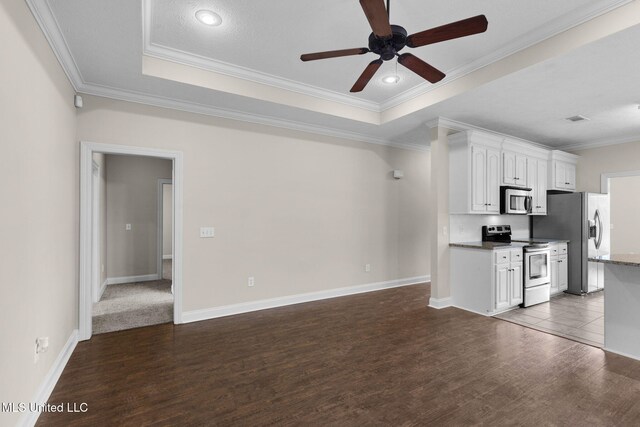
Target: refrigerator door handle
(599, 239)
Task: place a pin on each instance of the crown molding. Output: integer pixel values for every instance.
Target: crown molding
(599, 143)
(191, 59)
(41, 11)
(191, 107)
(509, 139)
(548, 30)
(529, 39)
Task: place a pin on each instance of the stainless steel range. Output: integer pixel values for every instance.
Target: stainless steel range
(537, 264)
(537, 274)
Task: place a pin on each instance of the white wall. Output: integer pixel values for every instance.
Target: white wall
(468, 228)
(167, 220)
(299, 212)
(625, 207)
(39, 226)
(132, 198)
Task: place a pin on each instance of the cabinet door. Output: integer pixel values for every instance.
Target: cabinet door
(521, 171)
(478, 179)
(561, 174)
(554, 276)
(509, 168)
(540, 205)
(563, 274)
(516, 284)
(532, 179)
(493, 181)
(502, 286)
(570, 175)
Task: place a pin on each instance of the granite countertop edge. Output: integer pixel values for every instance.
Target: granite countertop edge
(629, 260)
(490, 246)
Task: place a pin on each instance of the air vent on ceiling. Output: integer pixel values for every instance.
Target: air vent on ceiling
(577, 118)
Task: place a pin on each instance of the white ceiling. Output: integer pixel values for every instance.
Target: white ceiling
(101, 45)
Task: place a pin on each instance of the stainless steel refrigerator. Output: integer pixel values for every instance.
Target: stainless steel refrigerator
(583, 219)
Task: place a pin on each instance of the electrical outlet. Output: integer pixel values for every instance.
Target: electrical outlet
(127, 227)
(367, 268)
(251, 281)
(207, 232)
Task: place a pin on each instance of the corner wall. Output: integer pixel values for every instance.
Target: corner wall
(39, 190)
(593, 162)
(301, 213)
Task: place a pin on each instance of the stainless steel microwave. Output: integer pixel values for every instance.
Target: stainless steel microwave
(515, 200)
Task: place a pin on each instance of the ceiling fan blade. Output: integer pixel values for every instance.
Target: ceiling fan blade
(378, 18)
(366, 75)
(454, 30)
(333, 54)
(421, 68)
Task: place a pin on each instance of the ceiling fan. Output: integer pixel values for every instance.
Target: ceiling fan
(387, 40)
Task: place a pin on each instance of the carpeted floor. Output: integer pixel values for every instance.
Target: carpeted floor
(133, 305)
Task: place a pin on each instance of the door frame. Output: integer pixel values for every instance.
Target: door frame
(160, 229)
(96, 286)
(87, 149)
(604, 178)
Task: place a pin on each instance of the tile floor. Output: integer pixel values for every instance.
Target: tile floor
(580, 318)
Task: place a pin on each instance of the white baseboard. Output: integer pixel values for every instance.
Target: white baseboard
(46, 387)
(131, 279)
(229, 310)
(440, 302)
(474, 311)
(167, 256)
(620, 353)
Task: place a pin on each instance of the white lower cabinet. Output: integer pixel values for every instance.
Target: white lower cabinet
(486, 281)
(559, 268)
(508, 284)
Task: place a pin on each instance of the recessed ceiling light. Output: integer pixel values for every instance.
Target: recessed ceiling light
(391, 79)
(208, 17)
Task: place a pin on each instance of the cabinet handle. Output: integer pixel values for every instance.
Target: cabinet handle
(567, 183)
(559, 260)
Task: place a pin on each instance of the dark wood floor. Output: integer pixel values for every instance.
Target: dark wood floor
(380, 358)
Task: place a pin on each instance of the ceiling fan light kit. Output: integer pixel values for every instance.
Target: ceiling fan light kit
(387, 40)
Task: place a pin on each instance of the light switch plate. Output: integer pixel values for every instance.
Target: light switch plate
(207, 232)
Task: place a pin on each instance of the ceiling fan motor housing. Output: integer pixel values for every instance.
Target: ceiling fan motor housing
(387, 48)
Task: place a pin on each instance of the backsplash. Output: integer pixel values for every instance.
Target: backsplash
(468, 228)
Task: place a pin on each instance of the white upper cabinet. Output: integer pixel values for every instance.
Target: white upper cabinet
(474, 174)
(514, 169)
(562, 174)
(537, 179)
(480, 163)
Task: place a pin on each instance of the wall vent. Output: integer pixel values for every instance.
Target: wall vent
(577, 118)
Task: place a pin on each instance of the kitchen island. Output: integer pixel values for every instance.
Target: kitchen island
(621, 303)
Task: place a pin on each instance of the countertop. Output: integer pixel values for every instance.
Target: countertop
(488, 246)
(515, 244)
(538, 240)
(619, 259)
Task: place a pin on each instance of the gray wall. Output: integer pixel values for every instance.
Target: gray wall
(132, 198)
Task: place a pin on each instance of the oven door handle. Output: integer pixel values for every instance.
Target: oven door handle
(528, 204)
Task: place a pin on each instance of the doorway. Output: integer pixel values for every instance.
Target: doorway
(89, 268)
